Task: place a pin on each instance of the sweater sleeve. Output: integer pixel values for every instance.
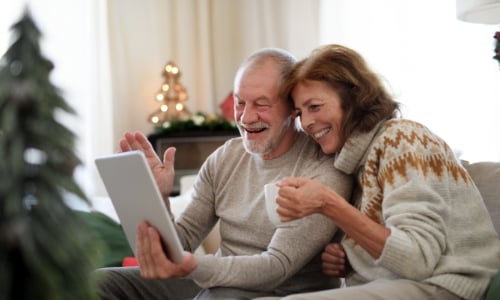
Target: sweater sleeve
(415, 212)
(290, 249)
(254, 254)
(420, 178)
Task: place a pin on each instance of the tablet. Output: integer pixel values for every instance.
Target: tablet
(135, 196)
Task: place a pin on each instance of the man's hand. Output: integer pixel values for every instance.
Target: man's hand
(335, 262)
(163, 172)
(153, 262)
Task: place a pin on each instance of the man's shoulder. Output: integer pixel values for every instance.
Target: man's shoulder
(232, 148)
(315, 164)
(311, 151)
(310, 159)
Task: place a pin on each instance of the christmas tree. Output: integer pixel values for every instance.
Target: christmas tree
(45, 251)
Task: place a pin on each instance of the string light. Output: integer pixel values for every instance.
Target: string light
(171, 97)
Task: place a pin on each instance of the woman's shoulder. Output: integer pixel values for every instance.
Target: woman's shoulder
(403, 125)
(405, 136)
(407, 131)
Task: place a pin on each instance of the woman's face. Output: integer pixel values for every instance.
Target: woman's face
(319, 107)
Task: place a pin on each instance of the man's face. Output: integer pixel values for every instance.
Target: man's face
(263, 118)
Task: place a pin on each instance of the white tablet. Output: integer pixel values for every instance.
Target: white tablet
(133, 191)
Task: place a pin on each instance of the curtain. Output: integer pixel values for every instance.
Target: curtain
(206, 39)
(129, 42)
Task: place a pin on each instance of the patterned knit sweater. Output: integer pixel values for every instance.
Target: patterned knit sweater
(410, 181)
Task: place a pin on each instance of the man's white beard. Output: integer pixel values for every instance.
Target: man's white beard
(262, 147)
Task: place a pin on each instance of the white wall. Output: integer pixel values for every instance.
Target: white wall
(440, 68)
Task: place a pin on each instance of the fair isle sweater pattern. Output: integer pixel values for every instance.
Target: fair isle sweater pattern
(406, 148)
(413, 184)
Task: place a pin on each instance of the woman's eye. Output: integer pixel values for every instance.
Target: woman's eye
(314, 107)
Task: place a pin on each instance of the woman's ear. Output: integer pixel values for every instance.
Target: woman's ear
(297, 123)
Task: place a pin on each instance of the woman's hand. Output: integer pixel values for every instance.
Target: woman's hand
(153, 262)
(299, 197)
(334, 261)
(163, 172)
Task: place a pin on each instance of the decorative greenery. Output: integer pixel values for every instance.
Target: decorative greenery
(497, 46)
(197, 122)
(45, 250)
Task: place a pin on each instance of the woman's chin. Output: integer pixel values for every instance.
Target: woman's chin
(326, 149)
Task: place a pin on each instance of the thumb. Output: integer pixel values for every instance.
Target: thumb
(169, 156)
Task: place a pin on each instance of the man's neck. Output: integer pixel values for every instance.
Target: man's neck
(286, 142)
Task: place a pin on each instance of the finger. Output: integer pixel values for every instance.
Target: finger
(124, 146)
(334, 269)
(332, 259)
(163, 266)
(291, 182)
(288, 206)
(132, 142)
(287, 215)
(143, 144)
(142, 245)
(333, 273)
(335, 248)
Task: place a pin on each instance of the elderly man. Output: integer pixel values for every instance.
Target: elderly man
(255, 258)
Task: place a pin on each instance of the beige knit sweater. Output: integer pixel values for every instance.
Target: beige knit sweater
(254, 254)
(412, 183)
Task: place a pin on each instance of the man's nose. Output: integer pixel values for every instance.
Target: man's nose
(249, 115)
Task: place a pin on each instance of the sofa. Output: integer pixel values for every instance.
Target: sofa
(486, 176)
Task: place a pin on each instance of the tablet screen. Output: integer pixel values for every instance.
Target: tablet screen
(135, 196)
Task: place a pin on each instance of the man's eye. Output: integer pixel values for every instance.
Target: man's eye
(262, 104)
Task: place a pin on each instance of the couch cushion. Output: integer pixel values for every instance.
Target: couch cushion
(486, 176)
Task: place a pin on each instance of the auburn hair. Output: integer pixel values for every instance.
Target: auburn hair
(364, 99)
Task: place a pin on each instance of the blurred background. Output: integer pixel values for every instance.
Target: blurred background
(109, 58)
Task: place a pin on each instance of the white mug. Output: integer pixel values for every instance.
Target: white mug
(271, 193)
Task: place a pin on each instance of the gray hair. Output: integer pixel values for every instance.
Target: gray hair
(284, 59)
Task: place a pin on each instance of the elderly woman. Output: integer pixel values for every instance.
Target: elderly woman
(418, 228)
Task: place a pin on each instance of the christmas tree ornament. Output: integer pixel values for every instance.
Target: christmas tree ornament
(171, 96)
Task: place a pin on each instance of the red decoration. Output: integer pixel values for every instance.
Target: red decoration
(130, 261)
(227, 107)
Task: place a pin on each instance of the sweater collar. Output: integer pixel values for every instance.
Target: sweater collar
(352, 154)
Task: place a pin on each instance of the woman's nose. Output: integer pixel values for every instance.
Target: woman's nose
(306, 120)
